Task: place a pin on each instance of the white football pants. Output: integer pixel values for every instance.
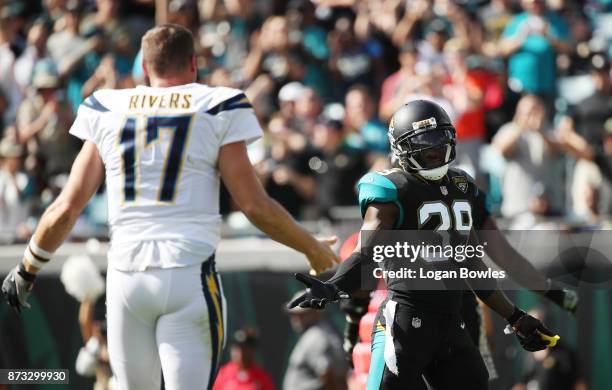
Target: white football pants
(169, 320)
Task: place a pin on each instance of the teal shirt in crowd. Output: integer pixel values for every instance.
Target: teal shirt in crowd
(533, 66)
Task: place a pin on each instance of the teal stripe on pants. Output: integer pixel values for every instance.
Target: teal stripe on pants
(377, 363)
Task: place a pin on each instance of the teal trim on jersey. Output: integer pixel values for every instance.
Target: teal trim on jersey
(377, 361)
(374, 187)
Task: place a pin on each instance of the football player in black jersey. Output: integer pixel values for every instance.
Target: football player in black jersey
(421, 333)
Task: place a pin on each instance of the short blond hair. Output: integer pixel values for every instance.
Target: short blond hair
(167, 49)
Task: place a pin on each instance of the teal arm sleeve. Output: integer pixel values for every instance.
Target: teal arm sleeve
(376, 188)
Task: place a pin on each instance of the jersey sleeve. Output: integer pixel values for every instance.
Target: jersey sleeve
(240, 122)
(481, 212)
(84, 126)
(376, 188)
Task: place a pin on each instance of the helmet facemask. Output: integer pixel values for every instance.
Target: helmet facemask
(427, 152)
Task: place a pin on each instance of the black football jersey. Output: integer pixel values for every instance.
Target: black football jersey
(454, 204)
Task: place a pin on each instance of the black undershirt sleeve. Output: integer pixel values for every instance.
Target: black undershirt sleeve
(348, 277)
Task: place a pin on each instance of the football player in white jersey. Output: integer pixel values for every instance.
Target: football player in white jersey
(162, 148)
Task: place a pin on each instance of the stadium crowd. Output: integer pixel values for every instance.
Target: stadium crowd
(526, 82)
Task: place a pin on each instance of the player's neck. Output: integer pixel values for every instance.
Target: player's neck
(170, 81)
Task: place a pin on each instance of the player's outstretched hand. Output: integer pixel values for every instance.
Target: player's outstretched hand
(317, 294)
(564, 297)
(532, 334)
(322, 257)
(17, 287)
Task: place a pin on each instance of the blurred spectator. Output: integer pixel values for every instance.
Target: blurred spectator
(431, 49)
(465, 90)
(378, 19)
(308, 107)
(242, 373)
(496, 15)
(351, 61)
(16, 190)
(531, 41)
(317, 360)
(8, 84)
(288, 96)
(398, 87)
(43, 121)
(67, 46)
(360, 120)
(35, 50)
(469, 30)
(586, 134)
(338, 167)
(4, 105)
(53, 10)
(285, 173)
(108, 19)
(528, 145)
(305, 26)
(584, 46)
(272, 52)
(417, 14)
(184, 13)
(104, 77)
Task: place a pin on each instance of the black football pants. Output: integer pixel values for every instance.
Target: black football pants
(427, 345)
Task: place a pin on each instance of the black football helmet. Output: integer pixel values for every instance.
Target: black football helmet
(422, 139)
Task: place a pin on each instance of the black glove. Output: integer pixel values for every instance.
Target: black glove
(317, 295)
(531, 333)
(17, 287)
(564, 297)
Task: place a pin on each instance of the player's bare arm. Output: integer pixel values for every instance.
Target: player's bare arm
(264, 212)
(56, 223)
(520, 269)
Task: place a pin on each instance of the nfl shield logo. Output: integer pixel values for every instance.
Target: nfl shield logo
(416, 322)
(444, 190)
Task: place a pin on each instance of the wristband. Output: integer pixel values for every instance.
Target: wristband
(27, 276)
(33, 259)
(38, 251)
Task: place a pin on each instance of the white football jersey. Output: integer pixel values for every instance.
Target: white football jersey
(160, 148)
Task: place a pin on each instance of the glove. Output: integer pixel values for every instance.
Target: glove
(563, 297)
(17, 287)
(317, 295)
(531, 333)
